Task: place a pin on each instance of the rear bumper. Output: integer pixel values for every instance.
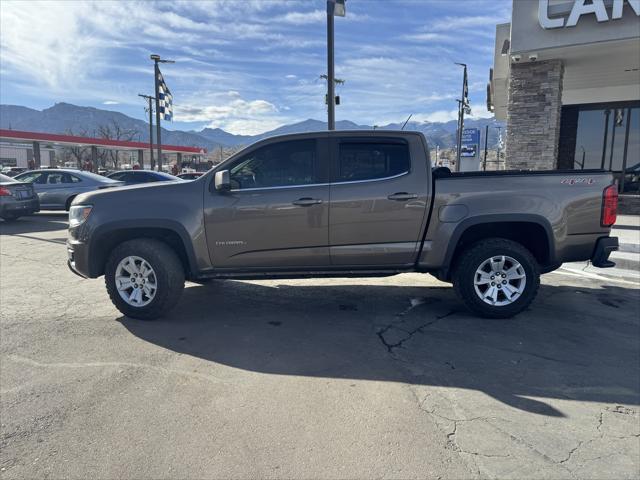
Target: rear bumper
(604, 247)
(20, 207)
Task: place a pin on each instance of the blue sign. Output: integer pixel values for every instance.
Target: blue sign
(471, 136)
(470, 142)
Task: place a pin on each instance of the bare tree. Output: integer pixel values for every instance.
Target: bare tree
(77, 153)
(114, 131)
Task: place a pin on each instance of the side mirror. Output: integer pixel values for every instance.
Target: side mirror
(222, 181)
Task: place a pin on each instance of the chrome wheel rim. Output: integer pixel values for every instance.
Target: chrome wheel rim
(136, 281)
(500, 280)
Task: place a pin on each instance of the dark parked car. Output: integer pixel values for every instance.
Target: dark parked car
(135, 177)
(56, 188)
(354, 203)
(16, 199)
(190, 175)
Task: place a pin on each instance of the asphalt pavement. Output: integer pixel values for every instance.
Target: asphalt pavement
(335, 379)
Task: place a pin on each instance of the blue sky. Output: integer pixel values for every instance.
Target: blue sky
(249, 66)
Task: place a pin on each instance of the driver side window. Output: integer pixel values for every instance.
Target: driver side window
(277, 165)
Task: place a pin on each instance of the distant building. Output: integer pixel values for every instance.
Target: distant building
(566, 79)
(17, 155)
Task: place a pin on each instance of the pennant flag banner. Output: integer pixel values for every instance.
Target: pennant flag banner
(165, 100)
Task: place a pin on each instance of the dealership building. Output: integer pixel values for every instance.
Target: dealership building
(566, 79)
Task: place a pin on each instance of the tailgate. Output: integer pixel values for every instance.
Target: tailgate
(580, 194)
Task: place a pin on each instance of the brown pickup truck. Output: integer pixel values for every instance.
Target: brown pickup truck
(348, 203)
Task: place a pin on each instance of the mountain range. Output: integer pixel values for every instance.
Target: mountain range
(66, 118)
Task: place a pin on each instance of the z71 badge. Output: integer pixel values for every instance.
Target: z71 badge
(577, 181)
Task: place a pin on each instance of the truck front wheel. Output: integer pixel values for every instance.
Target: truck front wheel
(496, 278)
(144, 278)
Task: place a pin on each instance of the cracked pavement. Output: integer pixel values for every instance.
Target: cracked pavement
(330, 378)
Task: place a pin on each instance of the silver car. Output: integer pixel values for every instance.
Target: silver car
(56, 188)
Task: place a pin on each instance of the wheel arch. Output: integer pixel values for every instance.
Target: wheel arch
(530, 230)
(106, 237)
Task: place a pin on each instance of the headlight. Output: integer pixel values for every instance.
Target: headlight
(78, 214)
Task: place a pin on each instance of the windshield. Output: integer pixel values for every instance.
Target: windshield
(5, 179)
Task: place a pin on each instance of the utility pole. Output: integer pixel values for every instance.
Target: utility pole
(499, 147)
(486, 144)
(156, 61)
(334, 8)
(462, 105)
(149, 99)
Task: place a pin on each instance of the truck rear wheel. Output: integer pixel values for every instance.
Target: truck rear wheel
(496, 278)
(144, 278)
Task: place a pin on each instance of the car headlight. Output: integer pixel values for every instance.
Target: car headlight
(78, 214)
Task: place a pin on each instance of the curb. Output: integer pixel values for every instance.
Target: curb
(626, 260)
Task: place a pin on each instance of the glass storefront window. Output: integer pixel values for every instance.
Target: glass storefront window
(631, 182)
(601, 136)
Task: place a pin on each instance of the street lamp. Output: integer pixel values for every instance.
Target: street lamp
(156, 61)
(334, 8)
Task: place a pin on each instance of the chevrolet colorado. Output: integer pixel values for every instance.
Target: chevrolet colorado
(347, 203)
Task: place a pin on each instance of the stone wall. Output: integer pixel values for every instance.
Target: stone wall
(533, 115)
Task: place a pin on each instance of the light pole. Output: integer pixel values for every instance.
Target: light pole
(149, 99)
(334, 8)
(156, 61)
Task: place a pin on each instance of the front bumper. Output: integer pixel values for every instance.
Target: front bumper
(78, 258)
(604, 247)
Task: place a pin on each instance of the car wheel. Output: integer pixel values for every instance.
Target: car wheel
(144, 278)
(496, 278)
(67, 205)
(10, 218)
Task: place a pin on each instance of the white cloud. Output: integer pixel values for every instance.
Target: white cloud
(231, 112)
(110, 102)
(448, 23)
(47, 47)
(430, 37)
(480, 112)
(438, 116)
(435, 97)
(303, 18)
(290, 77)
(314, 16)
(249, 127)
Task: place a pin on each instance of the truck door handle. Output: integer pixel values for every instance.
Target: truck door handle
(307, 202)
(402, 196)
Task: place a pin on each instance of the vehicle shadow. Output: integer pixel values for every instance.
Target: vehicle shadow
(41, 222)
(574, 343)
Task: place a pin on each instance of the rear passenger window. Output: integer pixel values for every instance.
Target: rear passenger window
(368, 161)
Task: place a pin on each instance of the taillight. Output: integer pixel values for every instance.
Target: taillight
(609, 206)
(5, 192)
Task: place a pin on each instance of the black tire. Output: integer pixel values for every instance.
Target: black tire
(67, 205)
(168, 270)
(10, 218)
(464, 274)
